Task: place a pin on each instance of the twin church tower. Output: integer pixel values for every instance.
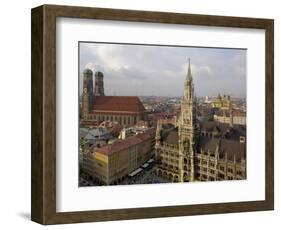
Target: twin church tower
(88, 92)
(97, 108)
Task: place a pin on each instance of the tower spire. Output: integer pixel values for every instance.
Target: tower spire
(189, 76)
(188, 129)
(188, 87)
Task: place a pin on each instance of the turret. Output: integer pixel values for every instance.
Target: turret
(188, 86)
(231, 116)
(87, 95)
(217, 151)
(99, 89)
(158, 132)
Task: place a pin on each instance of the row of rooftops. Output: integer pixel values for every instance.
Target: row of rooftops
(226, 147)
(228, 141)
(97, 133)
(226, 113)
(120, 145)
(223, 129)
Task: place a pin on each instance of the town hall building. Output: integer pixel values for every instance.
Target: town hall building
(190, 150)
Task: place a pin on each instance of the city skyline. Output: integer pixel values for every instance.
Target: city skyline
(144, 70)
(124, 140)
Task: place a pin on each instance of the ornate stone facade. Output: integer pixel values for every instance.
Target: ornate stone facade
(188, 150)
(222, 102)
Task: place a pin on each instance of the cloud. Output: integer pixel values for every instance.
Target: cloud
(94, 66)
(161, 70)
(205, 70)
(198, 70)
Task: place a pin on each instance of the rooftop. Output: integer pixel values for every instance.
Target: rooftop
(119, 145)
(213, 126)
(224, 129)
(226, 146)
(239, 113)
(171, 136)
(118, 104)
(95, 133)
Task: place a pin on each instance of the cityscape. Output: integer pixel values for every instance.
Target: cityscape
(150, 139)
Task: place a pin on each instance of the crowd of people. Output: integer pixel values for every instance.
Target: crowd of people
(146, 176)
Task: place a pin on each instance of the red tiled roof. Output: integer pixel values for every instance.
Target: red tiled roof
(118, 104)
(118, 146)
(122, 144)
(238, 113)
(116, 129)
(107, 112)
(143, 136)
(151, 132)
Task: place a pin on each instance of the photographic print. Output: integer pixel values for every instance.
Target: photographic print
(151, 114)
(143, 104)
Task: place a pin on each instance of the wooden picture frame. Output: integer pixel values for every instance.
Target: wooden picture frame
(43, 208)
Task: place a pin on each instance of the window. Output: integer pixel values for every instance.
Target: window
(239, 173)
(242, 139)
(230, 170)
(221, 176)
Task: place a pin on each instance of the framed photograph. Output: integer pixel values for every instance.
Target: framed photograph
(140, 114)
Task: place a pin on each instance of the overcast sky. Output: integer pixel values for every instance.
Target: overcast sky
(144, 70)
